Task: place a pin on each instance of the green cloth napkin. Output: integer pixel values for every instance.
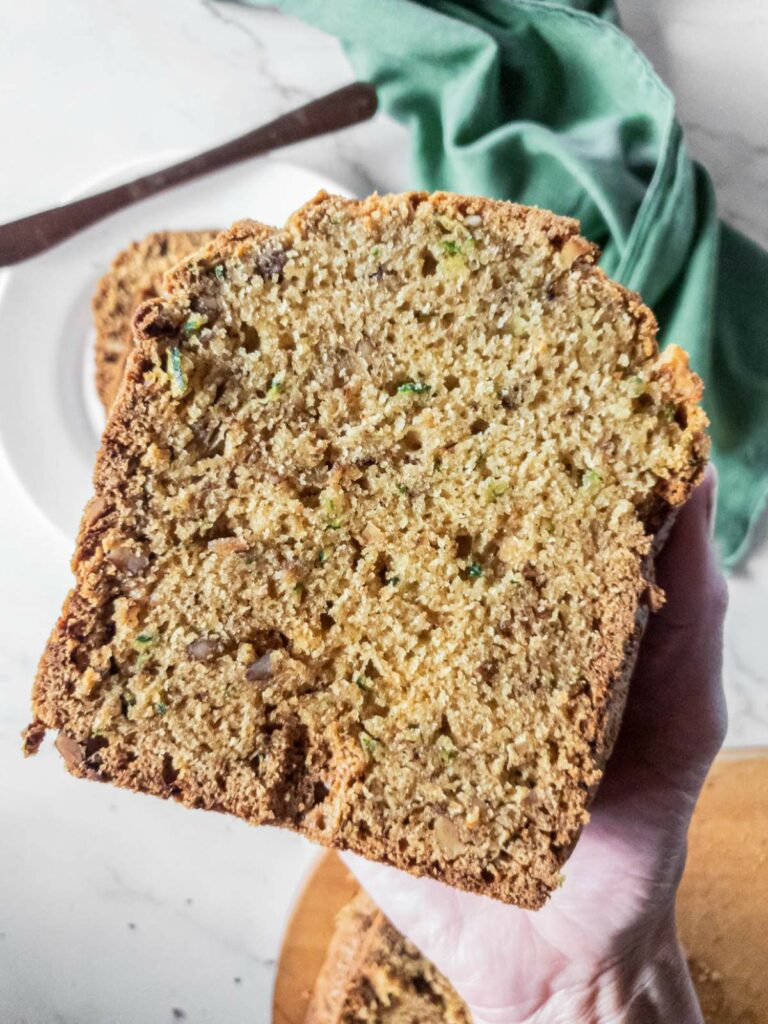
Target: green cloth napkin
(549, 103)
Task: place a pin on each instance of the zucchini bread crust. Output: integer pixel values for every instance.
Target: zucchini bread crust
(370, 551)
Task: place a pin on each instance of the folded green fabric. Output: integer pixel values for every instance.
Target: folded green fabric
(549, 103)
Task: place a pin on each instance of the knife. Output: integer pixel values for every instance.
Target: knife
(28, 236)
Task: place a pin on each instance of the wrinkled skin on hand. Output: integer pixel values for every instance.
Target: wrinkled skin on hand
(604, 947)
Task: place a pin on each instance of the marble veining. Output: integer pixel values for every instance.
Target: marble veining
(118, 909)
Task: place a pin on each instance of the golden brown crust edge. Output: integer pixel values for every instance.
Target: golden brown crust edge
(611, 672)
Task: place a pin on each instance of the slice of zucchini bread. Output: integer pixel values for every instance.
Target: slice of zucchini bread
(373, 975)
(135, 274)
(370, 550)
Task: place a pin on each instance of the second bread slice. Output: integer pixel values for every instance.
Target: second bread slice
(135, 275)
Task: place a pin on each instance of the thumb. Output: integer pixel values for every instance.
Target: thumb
(675, 716)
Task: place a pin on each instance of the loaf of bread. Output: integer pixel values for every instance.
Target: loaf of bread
(372, 975)
(370, 551)
(135, 274)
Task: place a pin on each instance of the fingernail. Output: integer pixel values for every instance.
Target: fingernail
(712, 500)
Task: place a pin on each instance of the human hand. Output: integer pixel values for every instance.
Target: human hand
(604, 948)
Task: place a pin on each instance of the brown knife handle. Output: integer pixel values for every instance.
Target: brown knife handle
(31, 235)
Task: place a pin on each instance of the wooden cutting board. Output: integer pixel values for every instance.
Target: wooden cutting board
(722, 905)
(327, 889)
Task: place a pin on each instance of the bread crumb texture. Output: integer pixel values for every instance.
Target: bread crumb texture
(371, 543)
(373, 975)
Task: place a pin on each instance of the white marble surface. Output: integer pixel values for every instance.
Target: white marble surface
(116, 909)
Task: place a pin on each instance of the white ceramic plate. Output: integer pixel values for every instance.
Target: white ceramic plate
(50, 417)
